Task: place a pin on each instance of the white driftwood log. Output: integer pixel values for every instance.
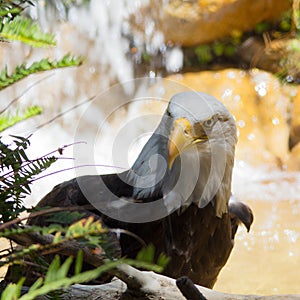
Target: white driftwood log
(150, 286)
(131, 283)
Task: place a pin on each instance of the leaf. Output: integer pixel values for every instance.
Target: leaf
(45, 64)
(38, 283)
(8, 12)
(51, 274)
(146, 254)
(83, 277)
(12, 291)
(64, 217)
(17, 175)
(8, 120)
(58, 283)
(163, 260)
(57, 238)
(27, 31)
(64, 268)
(79, 261)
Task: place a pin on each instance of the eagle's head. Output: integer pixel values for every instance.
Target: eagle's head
(190, 156)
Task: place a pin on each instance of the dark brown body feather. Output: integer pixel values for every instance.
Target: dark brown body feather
(198, 242)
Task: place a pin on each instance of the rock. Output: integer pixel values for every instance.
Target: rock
(202, 21)
(279, 56)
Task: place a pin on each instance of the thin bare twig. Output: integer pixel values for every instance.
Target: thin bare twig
(119, 231)
(29, 162)
(75, 167)
(62, 148)
(63, 113)
(24, 92)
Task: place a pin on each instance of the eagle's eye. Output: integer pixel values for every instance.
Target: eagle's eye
(208, 123)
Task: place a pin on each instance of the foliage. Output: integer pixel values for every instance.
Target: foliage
(11, 8)
(203, 53)
(207, 54)
(17, 173)
(17, 170)
(45, 64)
(55, 277)
(147, 255)
(225, 51)
(15, 27)
(26, 31)
(288, 63)
(8, 119)
(86, 232)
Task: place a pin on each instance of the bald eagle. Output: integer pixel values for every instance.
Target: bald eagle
(176, 195)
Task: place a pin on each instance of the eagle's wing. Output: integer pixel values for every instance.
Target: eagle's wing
(197, 241)
(77, 191)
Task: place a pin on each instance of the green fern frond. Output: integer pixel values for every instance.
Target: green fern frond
(17, 173)
(7, 12)
(45, 64)
(27, 31)
(11, 8)
(13, 291)
(15, 3)
(56, 277)
(8, 120)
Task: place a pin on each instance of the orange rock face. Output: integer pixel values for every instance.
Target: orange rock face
(195, 22)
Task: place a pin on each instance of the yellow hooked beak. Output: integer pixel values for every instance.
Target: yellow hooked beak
(181, 138)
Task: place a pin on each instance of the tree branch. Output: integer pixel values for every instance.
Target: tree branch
(67, 248)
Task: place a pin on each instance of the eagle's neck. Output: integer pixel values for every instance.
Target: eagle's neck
(224, 191)
(216, 159)
(200, 176)
(150, 172)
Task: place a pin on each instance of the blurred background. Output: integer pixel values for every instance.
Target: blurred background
(246, 53)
